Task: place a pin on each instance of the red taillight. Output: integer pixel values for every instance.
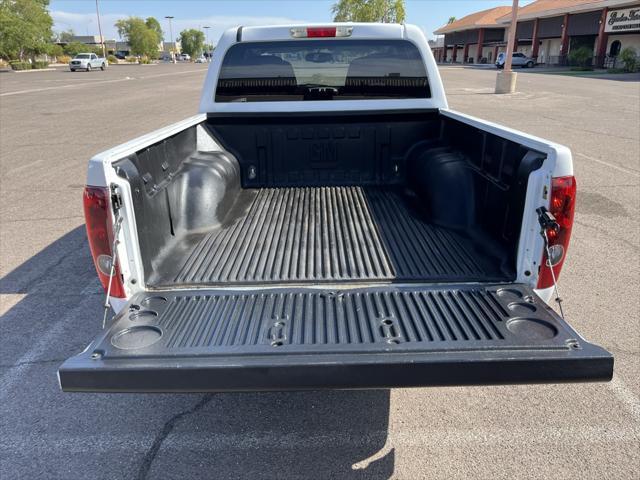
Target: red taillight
(321, 32)
(562, 206)
(97, 214)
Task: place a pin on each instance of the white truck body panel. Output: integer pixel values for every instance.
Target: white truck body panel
(360, 30)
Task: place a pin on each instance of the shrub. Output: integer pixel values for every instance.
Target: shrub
(112, 59)
(55, 50)
(581, 58)
(39, 64)
(630, 59)
(132, 59)
(145, 61)
(64, 59)
(18, 65)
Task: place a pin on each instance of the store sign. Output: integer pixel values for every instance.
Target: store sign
(627, 20)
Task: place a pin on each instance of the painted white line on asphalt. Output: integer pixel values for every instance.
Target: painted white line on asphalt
(26, 165)
(612, 165)
(169, 74)
(626, 396)
(14, 374)
(58, 87)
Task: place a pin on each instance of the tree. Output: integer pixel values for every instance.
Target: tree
(154, 25)
(66, 36)
(192, 41)
(451, 20)
(142, 38)
(55, 50)
(387, 11)
(25, 28)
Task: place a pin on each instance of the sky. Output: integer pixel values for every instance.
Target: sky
(80, 15)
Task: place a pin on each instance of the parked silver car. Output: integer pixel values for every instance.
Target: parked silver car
(517, 60)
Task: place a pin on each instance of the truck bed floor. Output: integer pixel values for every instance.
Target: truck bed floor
(328, 234)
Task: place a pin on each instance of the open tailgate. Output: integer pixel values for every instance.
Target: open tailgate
(314, 338)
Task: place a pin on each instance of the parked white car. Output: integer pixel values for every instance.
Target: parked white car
(87, 61)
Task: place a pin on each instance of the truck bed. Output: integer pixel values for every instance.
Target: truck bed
(328, 234)
(389, 198)
(389, 262)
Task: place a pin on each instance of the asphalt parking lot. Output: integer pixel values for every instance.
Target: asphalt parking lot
(51, 123)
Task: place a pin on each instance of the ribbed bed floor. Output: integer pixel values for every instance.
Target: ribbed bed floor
(329, 234)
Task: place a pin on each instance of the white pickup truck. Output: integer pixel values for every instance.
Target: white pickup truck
(87, 61)
(327, 221)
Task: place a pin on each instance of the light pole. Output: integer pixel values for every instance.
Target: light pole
(506, 80)
(104, 53)
(206, 35)
(172, 41)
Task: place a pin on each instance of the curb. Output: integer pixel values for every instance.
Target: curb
(32, 70)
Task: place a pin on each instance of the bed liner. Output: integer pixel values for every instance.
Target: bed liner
(328, 234)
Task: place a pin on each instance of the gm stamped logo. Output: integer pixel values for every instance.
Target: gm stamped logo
(323, 154)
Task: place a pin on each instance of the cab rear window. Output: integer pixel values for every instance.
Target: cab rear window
(322, 70)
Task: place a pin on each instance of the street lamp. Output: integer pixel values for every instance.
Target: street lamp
(104, 53)
(173, 42)
(206, 36)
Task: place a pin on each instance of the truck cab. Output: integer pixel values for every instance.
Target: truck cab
(326, 221)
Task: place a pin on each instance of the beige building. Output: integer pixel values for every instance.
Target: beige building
(547, 30)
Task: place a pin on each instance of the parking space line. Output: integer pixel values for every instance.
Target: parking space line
(626, 396)
(115, 80)
(14, 374)
(608, 164)
(59, 87)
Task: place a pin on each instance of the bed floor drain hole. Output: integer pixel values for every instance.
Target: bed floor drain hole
(387, 322)
(276, 343)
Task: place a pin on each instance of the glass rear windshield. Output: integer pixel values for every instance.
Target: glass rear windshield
(322, 70)
(82, 55)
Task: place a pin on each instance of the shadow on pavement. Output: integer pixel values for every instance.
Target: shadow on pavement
(337, 434)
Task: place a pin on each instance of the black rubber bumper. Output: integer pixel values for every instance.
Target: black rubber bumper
(194, 375)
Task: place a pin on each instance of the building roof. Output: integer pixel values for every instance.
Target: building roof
(483, 19)
(551, 8)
